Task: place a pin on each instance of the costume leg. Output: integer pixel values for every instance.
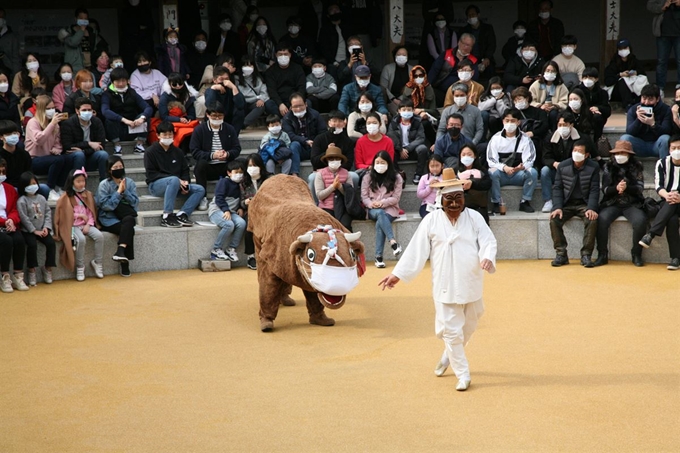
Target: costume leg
(272, 289)
(316, 310)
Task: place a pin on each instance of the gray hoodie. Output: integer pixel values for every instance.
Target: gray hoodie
(35, 213)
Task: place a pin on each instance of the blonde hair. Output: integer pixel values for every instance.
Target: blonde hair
(41, 103)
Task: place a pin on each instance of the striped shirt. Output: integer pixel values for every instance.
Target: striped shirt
(216, 143)
(667, 175)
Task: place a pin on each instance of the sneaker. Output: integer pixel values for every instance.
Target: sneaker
(231, 254)
(119, 255)
(646, 240)
(416, 179)
(396, 249)
(183, 220)
(47, 275)
(203, 205)
(495, 208)
(547, 206)
(53, 196)
(6, 284)
(674, 265)
(80, 273)
(170, 222)
(139, 148)
(117, 150)
(18, 282)
(252, 264)
(379, 263)
(125, 269)
(32, 278)
(525, 206)
(218, 254)
(97, 268)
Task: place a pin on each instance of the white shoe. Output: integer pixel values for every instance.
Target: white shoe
(32, 278)
(218, 254)
(18, 282)
(53, 196)
(6, 284)
(463, 385)
(203, 205)
(547, 206)
(80, 273)
(47, 275)
(231, 254)
(97, 269)
(440, 369)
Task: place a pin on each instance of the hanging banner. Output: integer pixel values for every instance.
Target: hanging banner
(169, 16)
(396, 21)
(613, 19)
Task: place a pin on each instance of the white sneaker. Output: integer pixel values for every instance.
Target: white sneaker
(231, 254)
(97, 269)
(463, 385)
(6, 284)
(32, 279)
(547, 206)
(53, 196)
(47, 275)
(218, 254)
(18, 282)
(80, 273)
(203, 205)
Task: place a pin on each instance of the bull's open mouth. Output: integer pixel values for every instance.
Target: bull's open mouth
(330, 301)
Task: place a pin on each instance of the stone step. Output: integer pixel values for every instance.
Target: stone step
(153, 218)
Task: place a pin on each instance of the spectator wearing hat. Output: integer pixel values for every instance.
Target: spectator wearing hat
(648, 124)
(331, 179)
(362, 83)
(622, 72)
(622, 186)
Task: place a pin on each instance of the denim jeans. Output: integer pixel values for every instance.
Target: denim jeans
(664, 44)
(236, 225)
(524, 178)
(97, 162)
(168, 188)
(383, 228)
(547, 180)
(57, 167)
(300, 152)
(658, 149)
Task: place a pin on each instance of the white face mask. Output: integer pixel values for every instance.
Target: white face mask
(510, 127)
(467, 160)
(545, 15)
(520, 32)
(293, 29)
(549, 76)
(318, 72)
(300, 114)
(276, 130)
(122, 90)
(200, 45)
(401, 60)
(407, 115)
(3, 178)
(528, 54)
(419, 80)
(225, 26)
(464, 75)
(365, 107)
(372, 129)
(67, 76)
(49, 113)
(363, 83)
(83, 22)
(32, 65)
(564, 131)
(575, 105)
(621, 158)
(215, 123)
(338, 130)
(173, 41)
(32, 189)
(352, 48)
(440, 23)
(261, 29)
(254, 172)
(521, 105)
(473, 21)
(4, 87)
(568, 51)
(578, 157)
(283, 60)
(588, 83)
(333, 280)
(460, 100)
(623, 53)
(236, 177)
(334, 164)
(380, 168)
(167, 141)
(11, 140)
(675, 154)
(247, 71)
(496, 93)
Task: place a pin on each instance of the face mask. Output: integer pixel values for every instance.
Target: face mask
(351, 48)
(225, 26)
(528, 54)
(564, 131)
(621, 158)
(32, 65)
(3, 178)
(363, 83)
(254, 172)
(32, 189)
(675, 155)
(83, 22)
(335, 17)
(4, 87)
(521, 105)
(464, 75)
(333, 280)
(275, 130)
(173, 41)
(380, 168)
(253, 17)
(568, 51)
(578, 157)
(118, 173)
(406, 115)
(247, 71)
(261, 29)
(467, 160)
(623, 53)
(365, 107)
(473, 21)
(283, 60)
(236, 177)
(144, 67)
(338, 130)
(79, 190)
(293, 30)
(510, 127)
(401, 60)
(544, 15)
(318, 72)
(11, 139)
(200, 45)
(119, 64)
(67, 76)
(453, 131)
(334, 164)
(122, 90)
(460, 100)
(549, 76)
(575, 105)
(372, 129)
(419, 80)
(300, 114)
(440, 23)
(496, 93)
(86, 115)
(216, 123)
(520, 32)
(49, 113)
(167, 141)
(588, 83)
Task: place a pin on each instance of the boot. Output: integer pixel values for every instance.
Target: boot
(320, 319)
(637, 261)
(602, 259)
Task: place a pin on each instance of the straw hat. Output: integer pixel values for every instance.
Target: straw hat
(449, 179)
(334, 151)
(623, 146)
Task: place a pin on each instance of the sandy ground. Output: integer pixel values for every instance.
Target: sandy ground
(569, 360)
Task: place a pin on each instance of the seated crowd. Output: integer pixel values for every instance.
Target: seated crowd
(540, 116)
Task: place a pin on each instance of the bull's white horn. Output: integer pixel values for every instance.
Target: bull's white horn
(306, 238)
(351, 237)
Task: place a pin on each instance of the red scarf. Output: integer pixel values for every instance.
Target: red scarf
(417, 91)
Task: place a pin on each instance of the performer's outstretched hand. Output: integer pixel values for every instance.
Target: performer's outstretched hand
(388, 282)
(487, 265)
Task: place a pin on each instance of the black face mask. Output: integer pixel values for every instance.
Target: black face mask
(144, 67)
(453, 131)
(335, 17)
(118, 173)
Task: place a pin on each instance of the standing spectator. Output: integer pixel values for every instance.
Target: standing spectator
(623, 69)
(524, 69)
(171, 56)
(546, 30)
(198, 57)
(449, 145)
(648, 124)
(557, 150)
(597, 100)
(332, 39)
(408, 135)
(514, 44)
(493, 103)
(254, 90)
(80, 41)
(227, 40)
(261, 44)
(371, 144)
(322, 91)
(576, 193)
(476, 181)
(394, 77)
(30, 77)
(666, 29)
(147, 82)
(9, 46)
(255, 176)
(83, 133)
(356, 122)
(9, 102)
(303, 125)
(367, 24)
(362, 84)
(311, 13)
(473, 127)
(12, 245)
(571, 66)
(65, 86)
(136, 22)
(84, 85)
(247, 25)
(284, 78)
(466, 72)
(225, 212)
(485, 42)
(440, 38)
(302, 47)
(549, 93)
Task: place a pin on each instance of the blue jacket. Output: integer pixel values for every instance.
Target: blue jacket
(201, 141)
(663, 121)
(227, 195)
(107, 199)
(352, 92)
(446, 147)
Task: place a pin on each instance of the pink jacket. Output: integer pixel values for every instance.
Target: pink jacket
(40, 142)
(390, 200)
(59, 95)
(426, 193)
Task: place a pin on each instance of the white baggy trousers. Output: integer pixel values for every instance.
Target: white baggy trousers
(455, 324)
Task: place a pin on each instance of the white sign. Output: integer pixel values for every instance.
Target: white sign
(169, 16)
(613, 19)
(396, 13)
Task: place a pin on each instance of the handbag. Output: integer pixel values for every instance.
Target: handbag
(603, 146)
(651, 207)
(124, 209)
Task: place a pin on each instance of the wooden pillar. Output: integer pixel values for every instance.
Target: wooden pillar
(609, 31)
(394, 26)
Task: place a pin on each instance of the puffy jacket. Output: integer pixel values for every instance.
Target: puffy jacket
(589, 178)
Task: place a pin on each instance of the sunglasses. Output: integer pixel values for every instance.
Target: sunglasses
(420, 74)
(177, 85)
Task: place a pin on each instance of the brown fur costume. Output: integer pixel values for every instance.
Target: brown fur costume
(281, 212)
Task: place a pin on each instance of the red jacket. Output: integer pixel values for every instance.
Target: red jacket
(11, 208)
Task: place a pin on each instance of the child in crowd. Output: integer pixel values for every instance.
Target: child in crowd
(322, 91)
(275, 147)
(225, 212)
(36, 225)
(426, 193)
(105, 80)
(330, 179)
(256, 175)
(74, 219)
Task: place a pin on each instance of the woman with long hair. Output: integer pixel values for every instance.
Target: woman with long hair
(421, 93)
(252, 86)
(261, 44)
(356, 122)
(32, 75)
(64, 87)
(549, 93)
(256, 174)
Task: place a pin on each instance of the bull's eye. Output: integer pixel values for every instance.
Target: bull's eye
(352, 254)
(311, 254)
